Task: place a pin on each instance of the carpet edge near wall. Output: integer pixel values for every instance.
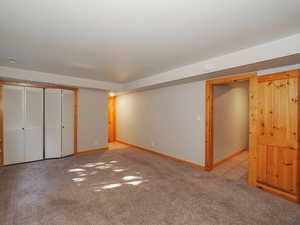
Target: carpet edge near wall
(163, 155)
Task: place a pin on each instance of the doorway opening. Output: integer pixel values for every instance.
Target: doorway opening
(229, 121)
(112, 143)
(111, 119)
(273, 159)
(231, 130)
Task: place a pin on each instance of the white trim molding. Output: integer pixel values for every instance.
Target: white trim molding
(50, 78)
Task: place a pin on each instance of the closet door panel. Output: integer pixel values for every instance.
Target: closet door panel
(67, 122)
(52, 123)
(13, 121)
(14, 146)
(34, 124)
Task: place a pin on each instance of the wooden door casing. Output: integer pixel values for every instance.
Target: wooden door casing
(277, 132)
(111, 118)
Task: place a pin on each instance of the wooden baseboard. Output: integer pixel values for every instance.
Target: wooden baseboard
(163, 155)
(228, 158)
(92, 151)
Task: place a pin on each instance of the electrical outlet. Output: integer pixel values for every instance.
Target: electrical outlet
(152, 143)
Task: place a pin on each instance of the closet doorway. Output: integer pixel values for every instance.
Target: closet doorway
(37, 122)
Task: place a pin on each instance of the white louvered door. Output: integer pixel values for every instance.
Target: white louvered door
(67, 122)
(34, 123)
(53, 124)
(13, 123)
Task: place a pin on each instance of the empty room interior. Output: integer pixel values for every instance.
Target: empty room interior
(149, 112)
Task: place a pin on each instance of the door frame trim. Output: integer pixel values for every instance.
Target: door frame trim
(28, 84)
(209, 100)
(113, 124)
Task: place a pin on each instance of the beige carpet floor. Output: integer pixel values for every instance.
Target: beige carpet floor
(132, 187)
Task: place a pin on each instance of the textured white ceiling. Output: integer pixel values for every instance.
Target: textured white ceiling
(121, 41)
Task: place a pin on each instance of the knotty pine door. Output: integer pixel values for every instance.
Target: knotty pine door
(277, 133)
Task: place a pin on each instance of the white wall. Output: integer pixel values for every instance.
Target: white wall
(231, 119)
(172, 117)
(168, 120)
(92, 119)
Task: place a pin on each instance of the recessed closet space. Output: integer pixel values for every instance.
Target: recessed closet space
(37, 122)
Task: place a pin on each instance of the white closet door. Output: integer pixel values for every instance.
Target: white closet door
(13, 110)
(53, 123)
(34, 122)
(67, 122)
